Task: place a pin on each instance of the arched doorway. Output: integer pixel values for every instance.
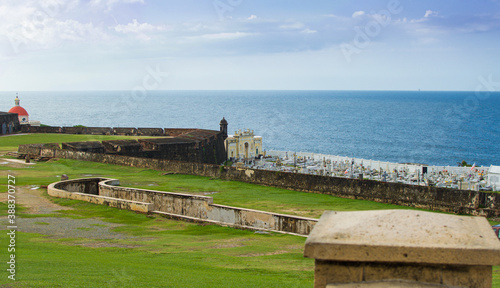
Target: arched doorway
(246, 150)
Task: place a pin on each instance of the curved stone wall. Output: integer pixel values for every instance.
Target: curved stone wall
(178, 206)
(88, 190)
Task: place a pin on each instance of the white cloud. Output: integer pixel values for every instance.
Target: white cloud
(225, 36)
(110, 3)
(252, 17)
(292, 26)
(358, 13)
(136, 27)
(308, 31)
(429, 13)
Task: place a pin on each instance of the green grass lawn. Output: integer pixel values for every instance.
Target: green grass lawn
(162, 252)
(10, 143)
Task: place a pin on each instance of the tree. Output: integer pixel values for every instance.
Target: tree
(464, 164)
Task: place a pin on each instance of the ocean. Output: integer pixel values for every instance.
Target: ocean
(433, 128)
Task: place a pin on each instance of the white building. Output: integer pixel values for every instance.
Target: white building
(243, 145)
(494, 177)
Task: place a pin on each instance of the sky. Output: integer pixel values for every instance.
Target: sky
(49, 45)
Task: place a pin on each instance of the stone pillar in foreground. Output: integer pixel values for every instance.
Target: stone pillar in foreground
(402, 248)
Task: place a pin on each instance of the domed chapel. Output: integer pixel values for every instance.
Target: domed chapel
(20, 111)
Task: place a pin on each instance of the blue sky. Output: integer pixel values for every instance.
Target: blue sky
(244, 44)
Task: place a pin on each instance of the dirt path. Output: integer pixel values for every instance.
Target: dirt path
(32, 198)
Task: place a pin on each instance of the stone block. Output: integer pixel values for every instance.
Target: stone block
(423, 247)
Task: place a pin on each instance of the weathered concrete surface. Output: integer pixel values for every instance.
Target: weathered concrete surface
(370, 246)
(403, 236)
(175, 203)
(202, 208)
(260, 219)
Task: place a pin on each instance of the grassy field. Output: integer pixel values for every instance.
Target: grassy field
(158, 252)
(11, 143)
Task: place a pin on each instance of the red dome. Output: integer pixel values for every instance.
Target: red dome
(19, 110)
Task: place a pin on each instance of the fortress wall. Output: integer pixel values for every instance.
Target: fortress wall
(176, 131)
(73, 130)
(208, 150)
(125, 131)
(9, 123)
(35, 150)
(425, 197)
(435, 198)
(40, 129)
(98, 130)
(150, 131)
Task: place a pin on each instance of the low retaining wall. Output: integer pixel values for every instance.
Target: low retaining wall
(173, 203)
(177, 205)
(87, 190)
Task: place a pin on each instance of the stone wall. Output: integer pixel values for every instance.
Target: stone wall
(88, 190)
(191, 145)
(435, 198)
(87, 186)
(41, 129)
(202, 146)
(125, 131)
(9, 123)
(87, 146)
(176, 132)
(150, 132)
(174, 203)
(98, 131)
(178, 206)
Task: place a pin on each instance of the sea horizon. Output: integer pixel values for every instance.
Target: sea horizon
(428, 127)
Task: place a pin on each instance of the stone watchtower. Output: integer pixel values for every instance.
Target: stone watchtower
(223, 127)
